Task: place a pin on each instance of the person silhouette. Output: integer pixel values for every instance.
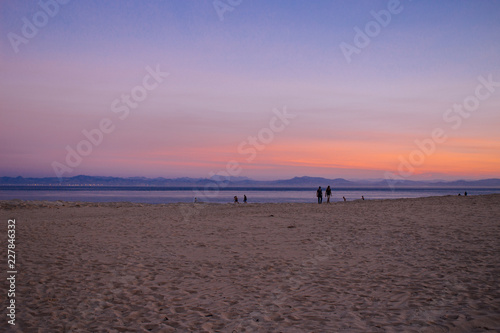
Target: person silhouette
(328, 193)
(245, 198)
(362, 197)
(236, 199)
(319, 194)
(344, 199)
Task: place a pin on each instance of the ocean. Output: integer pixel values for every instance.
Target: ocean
(158, 195)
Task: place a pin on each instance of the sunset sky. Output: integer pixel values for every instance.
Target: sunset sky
(275, 88)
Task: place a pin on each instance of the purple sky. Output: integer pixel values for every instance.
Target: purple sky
(408, 97)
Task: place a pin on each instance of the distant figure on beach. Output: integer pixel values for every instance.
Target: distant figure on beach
(362, 197)
(195, 200)
(328, 193)
(465, 193)
(344, 199)
(236, 199)
(319, 194)
(245, 198)
(459, 194)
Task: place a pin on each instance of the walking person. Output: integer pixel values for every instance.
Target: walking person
(319, 194)
(328, 193)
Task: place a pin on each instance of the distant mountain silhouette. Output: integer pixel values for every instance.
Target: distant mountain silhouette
(242, 181)
(313, 181)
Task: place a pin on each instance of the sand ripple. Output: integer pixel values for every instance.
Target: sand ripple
(415, 265)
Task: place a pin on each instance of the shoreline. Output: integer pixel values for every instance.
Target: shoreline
(387, 265)
(19, 203)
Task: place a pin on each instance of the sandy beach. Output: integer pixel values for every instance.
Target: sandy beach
(406, 265)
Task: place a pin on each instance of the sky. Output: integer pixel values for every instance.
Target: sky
(265, 89)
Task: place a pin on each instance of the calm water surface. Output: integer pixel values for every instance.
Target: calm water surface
(174, 195)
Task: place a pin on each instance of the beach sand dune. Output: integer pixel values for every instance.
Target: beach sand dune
(406, 265)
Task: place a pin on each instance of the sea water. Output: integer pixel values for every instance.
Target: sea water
(223, 195)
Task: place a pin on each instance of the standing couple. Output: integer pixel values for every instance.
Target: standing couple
(328, 194)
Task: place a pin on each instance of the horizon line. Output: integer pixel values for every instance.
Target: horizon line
(243, 178)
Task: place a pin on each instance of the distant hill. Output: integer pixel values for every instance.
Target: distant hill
(492, 182)
(316, 181)
(482, 182)
(242, 181)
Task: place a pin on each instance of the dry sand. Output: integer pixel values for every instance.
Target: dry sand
(408, 265)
